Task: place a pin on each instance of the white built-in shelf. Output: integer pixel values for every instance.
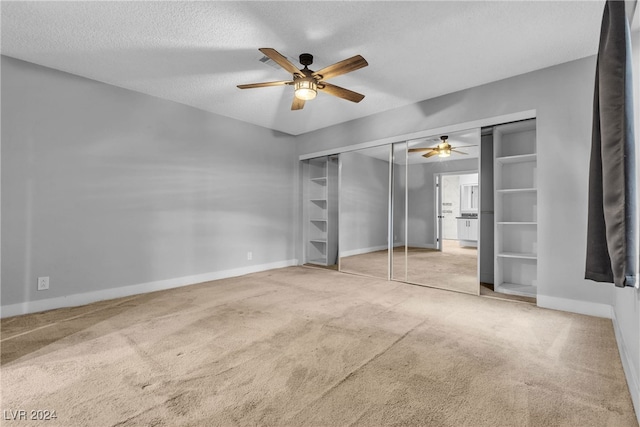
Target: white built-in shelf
(516, 190)
(321, 213)
(518, 255)
(517, 289)
(515, 205)
(517, 159)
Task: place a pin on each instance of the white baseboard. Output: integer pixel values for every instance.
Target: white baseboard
(141, 288)
(362, 251)
(627, 365)
(573, 306)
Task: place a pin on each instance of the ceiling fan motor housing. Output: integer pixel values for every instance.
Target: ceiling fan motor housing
(306, 59)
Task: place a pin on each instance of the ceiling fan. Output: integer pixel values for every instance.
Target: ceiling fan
(307, 82)
(443, 149)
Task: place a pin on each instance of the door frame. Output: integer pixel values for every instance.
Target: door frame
(438, 202)
(438, 217)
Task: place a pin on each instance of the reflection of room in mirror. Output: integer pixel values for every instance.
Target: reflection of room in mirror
(420, 254)
(364, 210)
(467, 216)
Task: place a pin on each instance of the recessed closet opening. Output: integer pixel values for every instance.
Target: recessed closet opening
(320, 211)
(455, 211)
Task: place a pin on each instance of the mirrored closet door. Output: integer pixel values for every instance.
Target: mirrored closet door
(442, 211)
(364, 211)
(409, 211)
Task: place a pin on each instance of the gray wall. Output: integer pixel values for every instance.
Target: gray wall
(562, 97)
(364, 197)
(104, 187)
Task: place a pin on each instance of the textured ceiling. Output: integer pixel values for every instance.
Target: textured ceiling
(196, 53)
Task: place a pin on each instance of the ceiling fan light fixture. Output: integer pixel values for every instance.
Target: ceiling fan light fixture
(446, 152)
(305, 88)
(444, 149)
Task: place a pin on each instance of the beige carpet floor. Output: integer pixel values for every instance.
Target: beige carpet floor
(454, 268)
(307, 346)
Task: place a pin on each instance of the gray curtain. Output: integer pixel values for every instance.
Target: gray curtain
(611, 235)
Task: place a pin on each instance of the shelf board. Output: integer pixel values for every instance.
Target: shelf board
(318, 261)
(318, 241)
(318, 200)
(517, 223)
(317, 220)
(519, 255)
(517, 289)
(319, 180)
(517, 190)
(517, 159)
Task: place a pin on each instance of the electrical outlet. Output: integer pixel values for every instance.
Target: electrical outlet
(249, 256)
(43, 283)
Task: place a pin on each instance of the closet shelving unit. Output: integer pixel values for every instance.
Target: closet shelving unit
(322, 211)
(515, 198)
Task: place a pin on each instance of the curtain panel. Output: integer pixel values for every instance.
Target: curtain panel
(612, 211)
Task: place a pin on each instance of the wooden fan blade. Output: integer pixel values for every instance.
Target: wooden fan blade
(342, 67)
(265, 84)
(416, 150)
(431, 154)
(281, 60)
(456, 151)
(340, 92)
(298, 104)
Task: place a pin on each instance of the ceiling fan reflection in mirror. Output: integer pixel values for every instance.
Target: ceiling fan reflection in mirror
(307, 82)
(443, 149)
